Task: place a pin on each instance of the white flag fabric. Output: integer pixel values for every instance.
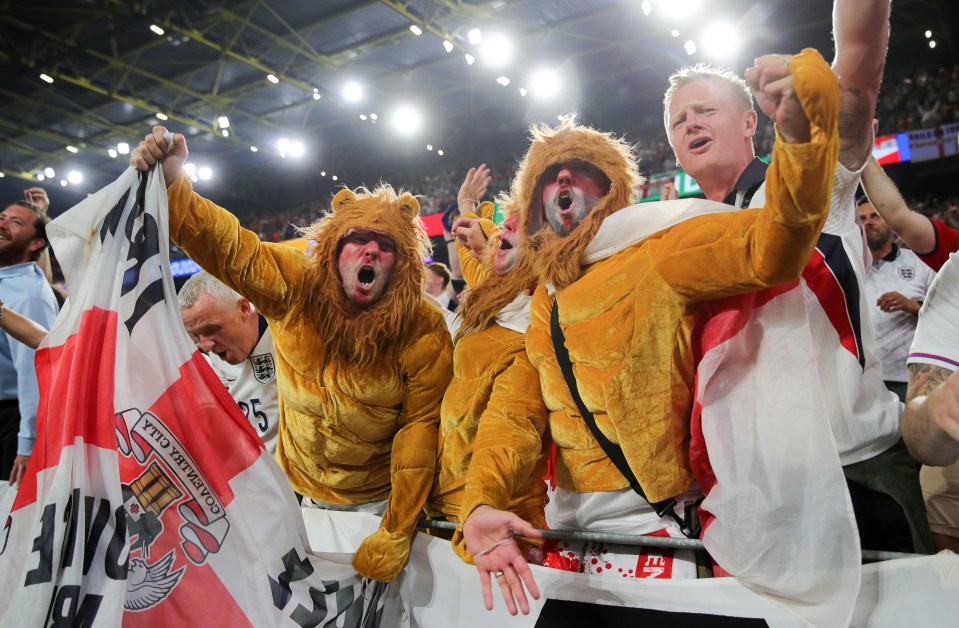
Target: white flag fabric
(149, 499)
(777, 513)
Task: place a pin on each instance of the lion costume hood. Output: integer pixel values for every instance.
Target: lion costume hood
(556, 257)
(358, 335)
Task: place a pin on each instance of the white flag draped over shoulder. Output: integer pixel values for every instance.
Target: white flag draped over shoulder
(149, 499)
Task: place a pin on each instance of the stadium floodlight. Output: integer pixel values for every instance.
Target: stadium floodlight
(316, 94)
(429, 147)
(63, 182)
(407, 120)
(40, 176)
(523, 92)
(225, 132)
(46, 78)
(363, 116)
(928, 34)
(353, 92)
(204, 173)
(322, 173)
(297, 149)
(448, 45)
(932, 43)
(223, 122)
(440, 152)
(123, 148)
(189, 169)
(49, 172)
(503, 81)
(497, 50)
(254, 149)
(162, 116)
(469, 59)
(544, 83)
(271, 78)
(720, 41)
(416, 30)
(674, 32)
(73, 149)
(690, 47)
(75, 177)
(156, 29)
(373, 117)
(334, 177)
(112, 152)
(647, 7)
(474, 36)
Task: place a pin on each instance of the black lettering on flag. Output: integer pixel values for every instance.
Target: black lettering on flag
(112, 221)
(94, 529)
(43, 544)
(71, 516)
(117, 559)
(70, 608)
(294, 569)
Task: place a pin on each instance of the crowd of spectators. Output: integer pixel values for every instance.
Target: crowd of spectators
(914, 101)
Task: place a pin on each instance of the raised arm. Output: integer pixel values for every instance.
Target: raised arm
(266, 274)
(861, 31)
(915, 229)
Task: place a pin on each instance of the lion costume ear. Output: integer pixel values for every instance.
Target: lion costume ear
(343, 197)
(409, 204)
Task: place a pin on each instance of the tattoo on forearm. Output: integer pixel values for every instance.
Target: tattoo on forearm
(923, 378)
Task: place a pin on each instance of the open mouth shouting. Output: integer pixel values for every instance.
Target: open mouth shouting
(366, 262)
(565, 200)
(698, 144)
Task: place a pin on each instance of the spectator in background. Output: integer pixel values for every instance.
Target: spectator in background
(25, 289)
(896, 286)
(930, 238)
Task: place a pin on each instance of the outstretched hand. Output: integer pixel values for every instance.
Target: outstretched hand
(771, 82)
(489, 538)
(154, 149)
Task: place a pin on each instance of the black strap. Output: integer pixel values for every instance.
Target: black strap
(613, 451)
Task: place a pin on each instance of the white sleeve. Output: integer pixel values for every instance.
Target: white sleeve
(937, 336)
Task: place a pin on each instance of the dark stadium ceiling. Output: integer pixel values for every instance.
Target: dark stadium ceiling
(111, 75)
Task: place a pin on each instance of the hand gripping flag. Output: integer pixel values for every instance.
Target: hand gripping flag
(149, 499)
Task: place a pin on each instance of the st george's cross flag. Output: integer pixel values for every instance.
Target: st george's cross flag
(149, 500)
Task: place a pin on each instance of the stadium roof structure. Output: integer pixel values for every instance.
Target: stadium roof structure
(77, 78)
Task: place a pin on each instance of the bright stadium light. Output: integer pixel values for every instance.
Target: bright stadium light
(223, 122)
(40, 176)
(416, 30)
(297, 149)
(544, 84)
(407, 120)
(112, 152)
(75, 177)
(647, 7)
(523, 92)
(720, 41)
(156, 29)
(63, 182)
(497, 50)
(469, 59)
(254, 149)
(503, 81)
(271, 78)
(49, 172)
(162, 116)
(46, 78)
(123, 148)
(690, 47)
(189, 168)
(932, 43)
(73, 149)
(474, 36)
(353, 92)
(928, 34)
(447, 45)
(204, 173)
(334, 177)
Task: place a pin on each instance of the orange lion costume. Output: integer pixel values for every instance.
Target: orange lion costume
(359, 389)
